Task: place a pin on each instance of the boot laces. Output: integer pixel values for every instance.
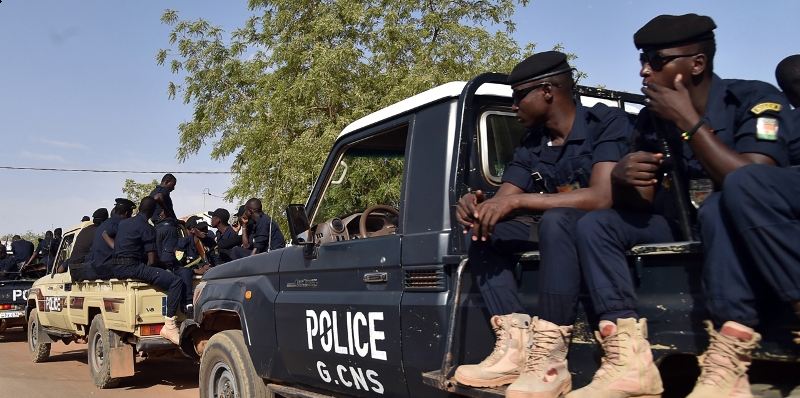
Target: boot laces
(613, 359)
(722, 362)
(500, 345)
(540, 348)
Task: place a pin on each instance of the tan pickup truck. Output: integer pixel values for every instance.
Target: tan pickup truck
(119, 319)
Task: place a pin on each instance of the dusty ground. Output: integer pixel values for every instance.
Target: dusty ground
(66, 374)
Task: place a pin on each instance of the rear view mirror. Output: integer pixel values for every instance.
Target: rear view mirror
(298, 222)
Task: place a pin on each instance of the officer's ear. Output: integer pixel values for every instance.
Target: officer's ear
(699, 64)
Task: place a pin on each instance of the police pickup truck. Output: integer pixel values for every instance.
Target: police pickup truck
(13, 295)
(375, 299)
(117, 318)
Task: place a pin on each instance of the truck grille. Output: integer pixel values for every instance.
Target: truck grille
(426, 278)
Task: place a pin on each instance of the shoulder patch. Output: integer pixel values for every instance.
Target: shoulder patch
(766, 107)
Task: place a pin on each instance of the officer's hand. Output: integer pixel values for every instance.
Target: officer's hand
(674, 105)
(637, 169)
(490, 212)
(465, 209)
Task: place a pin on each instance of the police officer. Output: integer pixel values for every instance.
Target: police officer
(264, 237)
(8, 264)
(162, 198)
(135, 257)
(83, 242)
(225, 236)
(709, 127)
(561, 170)
(761, 203)
(103, 240)
(54, 243)
(23, 251)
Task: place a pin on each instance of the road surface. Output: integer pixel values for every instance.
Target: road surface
(66, 374)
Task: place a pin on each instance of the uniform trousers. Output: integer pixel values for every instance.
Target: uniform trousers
(492, 265)
(602, 238)
(760, 208)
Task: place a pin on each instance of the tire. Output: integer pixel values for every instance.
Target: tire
(226, 369)
(40, 351)
(3, 325)
(98, 354)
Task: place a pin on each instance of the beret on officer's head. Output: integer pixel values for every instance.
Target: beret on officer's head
(665, 31)
(125, 203)
(101, 213)
(538, 66)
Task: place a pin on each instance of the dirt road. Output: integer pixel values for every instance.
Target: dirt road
(66, 374)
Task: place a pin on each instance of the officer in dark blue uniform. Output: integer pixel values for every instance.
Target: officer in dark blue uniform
(696, 129)
(103, 241)
(162, 198)
(561, 170)
(135, 257)
(8, 264)
(265, 236)
(225, 236)
(23, 250)
(762, 204)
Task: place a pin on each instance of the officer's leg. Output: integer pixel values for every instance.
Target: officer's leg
(559, 271)
(603, 237)
(726, 283)
(162, 279)
(240, 252)
(186, 275)
(764, 204)
(492, 263)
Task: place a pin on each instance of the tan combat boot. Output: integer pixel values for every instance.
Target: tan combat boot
(627, 368)
(503, 364)
(723, 367)
(796, 307)
(170, 330)
(545, 374)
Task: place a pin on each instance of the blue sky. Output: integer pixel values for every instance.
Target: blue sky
(79, 87)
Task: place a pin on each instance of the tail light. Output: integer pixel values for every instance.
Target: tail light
(150, 330)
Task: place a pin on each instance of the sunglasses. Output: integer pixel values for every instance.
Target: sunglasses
(518, 95)
(657, 61)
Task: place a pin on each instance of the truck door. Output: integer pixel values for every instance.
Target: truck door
(57, 289)
(338, 310)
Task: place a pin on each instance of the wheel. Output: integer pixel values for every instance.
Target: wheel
(98, 352)
(3, 325)
(40, 350)
(226, 370)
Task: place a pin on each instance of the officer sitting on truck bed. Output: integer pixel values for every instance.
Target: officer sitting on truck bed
(83, 243)
(135, 257)
(712, 127)
(103, 241)
(562, 169)
(8, 265)
(23, 250)
(265, 236)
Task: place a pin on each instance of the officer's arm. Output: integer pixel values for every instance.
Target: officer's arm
(245, 237)
(159, 198)
(508, 189)
(109, 240)
(717, 158)
(596, 196)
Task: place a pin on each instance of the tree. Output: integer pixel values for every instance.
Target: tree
(135, 191)
(30, 236)
(275, 94)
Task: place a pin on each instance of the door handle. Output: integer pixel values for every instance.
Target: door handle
(376, 277)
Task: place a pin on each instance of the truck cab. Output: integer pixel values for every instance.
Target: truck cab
(374, 297)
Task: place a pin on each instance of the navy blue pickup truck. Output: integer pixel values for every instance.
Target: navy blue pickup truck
(375, 299)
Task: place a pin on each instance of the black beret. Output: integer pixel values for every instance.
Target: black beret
(538, 66)
(125, 203)
(665, 31)
(101, 213)
(241, 211)
(85, 218)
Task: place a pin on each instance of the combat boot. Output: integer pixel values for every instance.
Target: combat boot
(545, 374)
(503, 364)
(723, 367)
(627, 368)
(796, 307)
(170, 330)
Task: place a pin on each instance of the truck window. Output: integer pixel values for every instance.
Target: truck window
(64, 251)
(500, 133)
(369, 172)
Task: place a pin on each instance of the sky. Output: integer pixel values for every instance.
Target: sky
(80, 88)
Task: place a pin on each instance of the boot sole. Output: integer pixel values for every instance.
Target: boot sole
(563, 391)
(485, 383)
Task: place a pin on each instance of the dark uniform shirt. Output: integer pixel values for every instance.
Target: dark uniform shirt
(599, 134)
(135, 237)
(225, 242)
(101, 252)
(168, 210)
(793, 138)
(733, 113)
(266, 235)
(83, 244)
(23, 250)
(166, 242)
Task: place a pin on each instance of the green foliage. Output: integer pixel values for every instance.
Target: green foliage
(30, 236)
(135, 191)
(277, 91)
